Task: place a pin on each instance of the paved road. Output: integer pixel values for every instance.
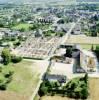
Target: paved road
(64, 38)
(67, 35)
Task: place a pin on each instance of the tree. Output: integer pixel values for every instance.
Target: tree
(6, 56)
(16, 59)
(69, 52)
(61, 21)
(17, 43)
(22, 30)
(84, 93)
(43, 89)
(77, 88)
(92, 48)
(86, 78)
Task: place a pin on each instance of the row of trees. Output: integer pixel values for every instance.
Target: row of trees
(76, 88)
(5, 77)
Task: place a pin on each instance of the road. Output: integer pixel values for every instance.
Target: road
(64, 38)
(44, 65)
(67, 35)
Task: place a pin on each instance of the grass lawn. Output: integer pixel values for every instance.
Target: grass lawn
(22, 25)
(24, 81)
(94, 88)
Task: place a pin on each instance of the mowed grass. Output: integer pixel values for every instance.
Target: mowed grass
(22, 26)
(25, 79)
(94, 88)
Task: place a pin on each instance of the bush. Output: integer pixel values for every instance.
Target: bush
(9, 74)
(84, 93)
(43, 90)
(2, 82)
(16, 59)
(17, 43)
(13, 38)
(3, 86)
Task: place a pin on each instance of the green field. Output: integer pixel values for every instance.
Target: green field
(22, 26)
(24, 80)
(26, 26)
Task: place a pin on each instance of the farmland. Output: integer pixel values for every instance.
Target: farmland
(94, 88)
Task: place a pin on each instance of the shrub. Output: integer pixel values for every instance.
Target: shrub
(17, 43)
(3, 86)
(2, 82)
(16, 59)
(43, 90)
(84, 93)
(7, 75)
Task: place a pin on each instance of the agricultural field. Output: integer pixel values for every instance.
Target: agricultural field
(94, 88)
(55, 98)
(83, 40)
(24, 81)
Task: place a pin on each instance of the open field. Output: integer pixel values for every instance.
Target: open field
(55, 98)
(22, 26)
(94, 88)
(24, 82)
(82, 39)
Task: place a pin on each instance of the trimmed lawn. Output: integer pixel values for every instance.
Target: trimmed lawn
(24, 81)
